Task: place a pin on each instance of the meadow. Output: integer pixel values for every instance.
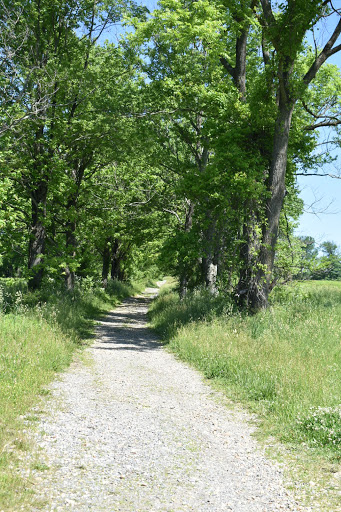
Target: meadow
(283, 364)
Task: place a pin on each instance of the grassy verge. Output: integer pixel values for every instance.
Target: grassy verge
(284, 363)
(39, 334)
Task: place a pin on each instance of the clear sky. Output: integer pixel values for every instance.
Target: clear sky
(322, 217)
(151, 4)
(322, 220)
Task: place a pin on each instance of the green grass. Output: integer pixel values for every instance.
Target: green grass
(31, 352)
(38, 336)
(284, 363)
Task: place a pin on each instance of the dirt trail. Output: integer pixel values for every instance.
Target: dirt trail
(138, 431)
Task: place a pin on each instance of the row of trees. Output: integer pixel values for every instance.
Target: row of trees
(180, 145)
(65, 180)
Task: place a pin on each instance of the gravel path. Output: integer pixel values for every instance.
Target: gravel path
(138, 431)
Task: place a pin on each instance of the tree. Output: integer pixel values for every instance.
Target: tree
(63, 86)
(330, 263)
(198, 124)
(36, 74)
(287, 44)
(187, 93)
(199, 61)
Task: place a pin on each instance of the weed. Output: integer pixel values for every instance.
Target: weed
(40, 466)
(322, 426)
(283, 361)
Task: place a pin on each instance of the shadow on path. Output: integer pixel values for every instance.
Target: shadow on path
(126, 327)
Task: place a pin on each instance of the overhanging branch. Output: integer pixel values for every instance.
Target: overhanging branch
(327, 51)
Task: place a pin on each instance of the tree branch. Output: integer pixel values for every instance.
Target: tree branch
(230, 69)
(318, 175)
(265, 51)
(172, 212)
(268, 14)
(331, 122)
(327, 51)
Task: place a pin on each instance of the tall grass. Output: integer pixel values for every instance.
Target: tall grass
(39, 333)
(284, 362)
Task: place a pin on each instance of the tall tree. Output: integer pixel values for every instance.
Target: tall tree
(289, 88)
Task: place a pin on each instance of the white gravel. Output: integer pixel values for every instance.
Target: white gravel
(138, 431)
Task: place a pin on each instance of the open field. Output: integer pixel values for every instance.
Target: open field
(284, 364)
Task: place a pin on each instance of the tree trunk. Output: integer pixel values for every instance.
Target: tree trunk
(69, 278)
(38, 187)
(184, 271)
(210, 259)
(210, 266)
(116, 271)
(71, 244)
(36, 253)
(249, 254)
(183, 289)
(36, 248)
(105, 265)
(259, 292)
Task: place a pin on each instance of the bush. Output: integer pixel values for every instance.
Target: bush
(38, 336)
(11, 292)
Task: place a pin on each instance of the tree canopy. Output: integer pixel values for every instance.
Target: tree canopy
(176, 148)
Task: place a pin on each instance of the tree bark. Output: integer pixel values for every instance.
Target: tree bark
(71, 245)
(77, 175)
(116, 259)
(260, 289)
(38, 192)
(37, 237)
(248, 255)
(211, 256)
(210, 265)
(184, 271)
(105, 264)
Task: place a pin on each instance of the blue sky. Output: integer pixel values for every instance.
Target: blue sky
(151, 4)
(323, 220)
(325, 223)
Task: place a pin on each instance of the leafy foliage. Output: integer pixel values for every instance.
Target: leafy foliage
(159, 150)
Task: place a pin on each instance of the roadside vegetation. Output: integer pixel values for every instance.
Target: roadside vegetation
(284, 363)
(39, 334)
